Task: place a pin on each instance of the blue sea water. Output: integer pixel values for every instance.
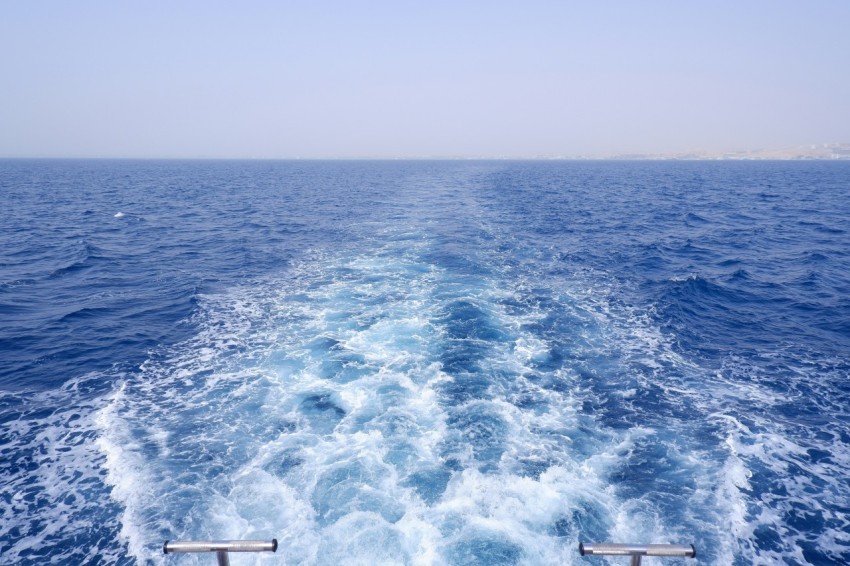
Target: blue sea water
(424, 362)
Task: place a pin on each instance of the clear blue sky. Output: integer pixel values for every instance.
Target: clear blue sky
(416, 79)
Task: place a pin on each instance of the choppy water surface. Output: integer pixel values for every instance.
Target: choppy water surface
(424, 363)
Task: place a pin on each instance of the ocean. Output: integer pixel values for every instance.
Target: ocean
(416, 362)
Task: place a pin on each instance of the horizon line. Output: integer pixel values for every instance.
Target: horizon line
(820, 151)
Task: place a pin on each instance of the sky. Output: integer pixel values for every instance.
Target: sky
(419, 79)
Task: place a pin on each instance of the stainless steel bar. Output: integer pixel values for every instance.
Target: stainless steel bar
(637, 550)
(220, 546)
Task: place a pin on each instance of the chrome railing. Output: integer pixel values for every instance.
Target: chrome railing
(220, 547)
(637, 551)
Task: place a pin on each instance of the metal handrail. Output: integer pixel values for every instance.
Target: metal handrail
(220, 547)
(637, 551)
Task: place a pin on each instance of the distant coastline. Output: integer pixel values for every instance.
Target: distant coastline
(826, 152)
(813, 152)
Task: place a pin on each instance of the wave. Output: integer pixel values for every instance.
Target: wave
(54, 479)
(382, 397)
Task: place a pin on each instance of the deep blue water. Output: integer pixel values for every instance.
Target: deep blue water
(424, 362)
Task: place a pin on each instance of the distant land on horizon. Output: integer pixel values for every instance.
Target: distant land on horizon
(811, 152)
(825, 151)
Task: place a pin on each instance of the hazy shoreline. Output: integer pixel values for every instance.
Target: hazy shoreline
(814, 152)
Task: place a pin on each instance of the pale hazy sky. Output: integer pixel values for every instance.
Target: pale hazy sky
(416, 79)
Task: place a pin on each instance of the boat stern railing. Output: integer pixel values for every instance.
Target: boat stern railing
(220, 547)
(637, 551)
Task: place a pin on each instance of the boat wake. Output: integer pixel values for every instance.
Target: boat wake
(383, 407)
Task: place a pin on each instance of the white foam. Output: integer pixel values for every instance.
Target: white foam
(54, 480)
(126, 473)
(305, 408)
